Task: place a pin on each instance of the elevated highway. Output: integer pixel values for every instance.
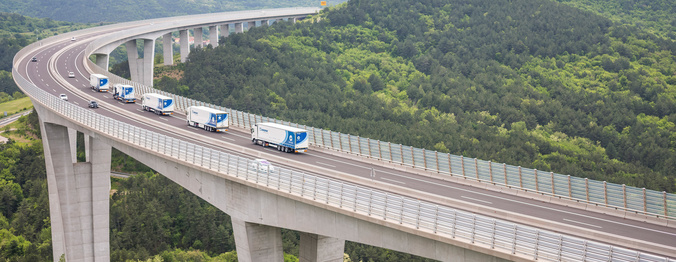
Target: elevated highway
(205, 163)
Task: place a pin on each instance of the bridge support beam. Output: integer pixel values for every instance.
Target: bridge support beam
(168, 49)
(255, 242)
(78, 197)
(250, 25)
(316, 248)
(102, 61)
(213, 36)
(141, 69)
(239, 28)
(185, 45)
(198, 41)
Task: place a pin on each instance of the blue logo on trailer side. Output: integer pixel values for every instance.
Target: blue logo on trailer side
(103, 82)
(167, 103)
(126, 91)
(300, 137)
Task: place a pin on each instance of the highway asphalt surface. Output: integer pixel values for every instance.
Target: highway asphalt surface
(72, 60)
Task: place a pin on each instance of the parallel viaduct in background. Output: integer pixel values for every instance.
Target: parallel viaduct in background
(324, 205)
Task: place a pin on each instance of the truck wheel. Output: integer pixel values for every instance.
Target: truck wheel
(254, 141)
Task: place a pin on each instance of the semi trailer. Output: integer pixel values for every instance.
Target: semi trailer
(207, 118)
(99, 82)
(284, 138)
(158, 104)
(124, 93)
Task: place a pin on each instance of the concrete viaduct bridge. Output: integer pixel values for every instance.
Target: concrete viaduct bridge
(434, 205)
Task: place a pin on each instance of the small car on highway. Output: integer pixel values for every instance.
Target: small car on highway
(93, 104)
(71, 74)
(262, 165)
(63, 97)
(34, 59)
(72, 38)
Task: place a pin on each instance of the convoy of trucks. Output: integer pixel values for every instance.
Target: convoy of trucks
(208, 118)
(284, 138)
(99, 82)
(124, 93)
(159, 104)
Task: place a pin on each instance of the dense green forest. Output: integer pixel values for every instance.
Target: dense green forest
(85, 11)
(526, 82)
(656, 16)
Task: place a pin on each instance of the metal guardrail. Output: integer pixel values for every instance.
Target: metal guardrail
(506, 237)
(622, 197)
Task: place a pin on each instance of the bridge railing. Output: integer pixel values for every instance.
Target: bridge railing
(622, 197)
(442, 221)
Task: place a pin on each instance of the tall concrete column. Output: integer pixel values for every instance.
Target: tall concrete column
(225, 30)
(250, 24)
(199, 42)
(315, 248)
(72, 138)
(148, 61)
(141, 69)
(185, 45)
(213, 36)
(238, 28)
(132, 58)
(255, 242)
(102, 61)
(168, 49)
(78, 197)
(264, 22)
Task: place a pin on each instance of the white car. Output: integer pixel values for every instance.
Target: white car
(63, 97)
(262, 165)
(72, 38)
(71, 74)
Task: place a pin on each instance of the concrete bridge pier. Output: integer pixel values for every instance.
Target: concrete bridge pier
(141, 69)
(185, 44)
(102, 61)
(238, 28)
(198, 41)
(78, 196)
(256, 242)
(265, 22)
(250, 25)
(225, 30)
(213, 36)
(168, 49)
(317, 248)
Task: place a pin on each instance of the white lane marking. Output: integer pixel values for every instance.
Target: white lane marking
(325, 164)
(392, 180)
(139, 110)
(164, 118)
(240, 136)
(478, 200)
(506, 199)
(120, 103)
(42, 80)
(76, 80)
(105, 96)
(54, 89)
(76, 103)
(46, 84)
(228, 138)
(85, 86)
(573, 221)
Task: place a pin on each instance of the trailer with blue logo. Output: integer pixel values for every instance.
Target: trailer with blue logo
(99, 82)
(158, 104)
(124, 93)
(284, 138)
(207, 118)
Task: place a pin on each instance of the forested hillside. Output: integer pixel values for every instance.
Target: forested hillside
(526, 82)
(655, 16)
(86, 11)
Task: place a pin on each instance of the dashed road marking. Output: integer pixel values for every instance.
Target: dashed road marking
(573, 221)
(392, 180)
(478, 200)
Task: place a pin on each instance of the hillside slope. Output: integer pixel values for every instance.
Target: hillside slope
(525, 82)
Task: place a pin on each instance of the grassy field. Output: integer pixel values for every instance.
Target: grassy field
(14, 106)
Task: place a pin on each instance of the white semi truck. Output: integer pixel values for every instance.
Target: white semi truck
(159, 104)
(124, 93)
(99, 82)
(284, 138)
(208, 118)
